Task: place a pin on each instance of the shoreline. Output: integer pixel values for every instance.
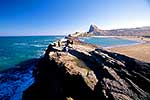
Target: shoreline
(132, 38)
(138, 50)
(122, 45)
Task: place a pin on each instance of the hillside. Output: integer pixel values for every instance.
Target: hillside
(95, 31)
(141, 31)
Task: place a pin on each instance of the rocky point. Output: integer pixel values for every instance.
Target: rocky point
(88, 72)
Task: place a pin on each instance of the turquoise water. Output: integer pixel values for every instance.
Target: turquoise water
(14, 50)
(107, 41)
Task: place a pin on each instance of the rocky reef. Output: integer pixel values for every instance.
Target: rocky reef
(88, 72)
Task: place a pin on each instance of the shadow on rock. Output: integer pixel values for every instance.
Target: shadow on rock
(53, 82)
(47, 82)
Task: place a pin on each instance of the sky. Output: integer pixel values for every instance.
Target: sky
(61, 17)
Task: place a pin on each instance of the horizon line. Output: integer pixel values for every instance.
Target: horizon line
(73, 32)
(29, 35)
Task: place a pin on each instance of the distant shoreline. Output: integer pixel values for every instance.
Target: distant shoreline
(132, 38)
(139, 50)
(122, 45)
(139, 39)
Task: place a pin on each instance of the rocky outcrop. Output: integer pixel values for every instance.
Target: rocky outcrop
(87, 72)
(95, 30)
(142, 31)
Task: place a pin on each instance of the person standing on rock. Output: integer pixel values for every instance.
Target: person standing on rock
(59, 43)
(66, 46)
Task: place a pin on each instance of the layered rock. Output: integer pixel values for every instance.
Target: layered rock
(87, 72)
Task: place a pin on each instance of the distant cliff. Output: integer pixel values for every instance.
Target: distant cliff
(95, 31)
(87, 72)
(141, 31)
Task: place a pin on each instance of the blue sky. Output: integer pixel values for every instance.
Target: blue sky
(51, 17)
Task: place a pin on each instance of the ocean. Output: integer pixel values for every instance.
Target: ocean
(16, 49)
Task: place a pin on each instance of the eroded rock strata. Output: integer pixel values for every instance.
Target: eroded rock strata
(87, 72)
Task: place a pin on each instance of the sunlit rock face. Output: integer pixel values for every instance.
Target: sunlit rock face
(95, 30)
(87, 72)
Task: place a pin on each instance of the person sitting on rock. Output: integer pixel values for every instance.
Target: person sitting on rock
(65, 48)
(67, 45)
(69, 42)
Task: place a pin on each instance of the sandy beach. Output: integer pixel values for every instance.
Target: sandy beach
(139, 51)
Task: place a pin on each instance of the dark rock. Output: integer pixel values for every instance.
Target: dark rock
(87, 73)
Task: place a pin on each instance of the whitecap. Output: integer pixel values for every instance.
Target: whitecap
(58, 37)
(40, 53)
(20, 43)
(47, 40)
(35, 41)
(38, 45)
(4, 58)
